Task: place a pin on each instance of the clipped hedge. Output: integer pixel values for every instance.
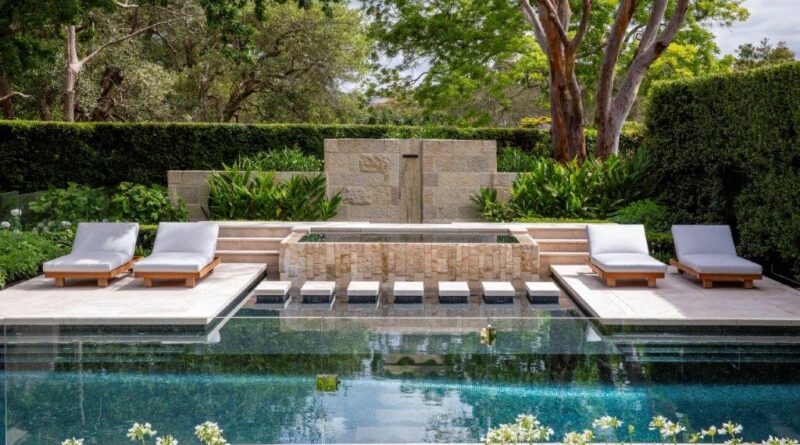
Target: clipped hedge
(35, 155)
(728, 150)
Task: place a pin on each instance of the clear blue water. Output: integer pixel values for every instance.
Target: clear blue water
(397, 384)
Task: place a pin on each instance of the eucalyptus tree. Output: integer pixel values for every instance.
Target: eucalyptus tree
(600, 54)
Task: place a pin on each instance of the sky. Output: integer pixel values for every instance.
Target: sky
(778, 20)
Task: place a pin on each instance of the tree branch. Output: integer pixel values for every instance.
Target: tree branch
(650, 32)
(553, 15)
(13, 94)
(126, 5)
(582, 27)
(613, 47)
(130, 36)
(533, 18)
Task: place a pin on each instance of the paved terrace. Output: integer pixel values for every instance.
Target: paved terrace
(680, 301)
(126, 301)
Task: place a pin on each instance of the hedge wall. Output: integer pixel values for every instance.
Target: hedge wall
(35, 155)
(728, 149)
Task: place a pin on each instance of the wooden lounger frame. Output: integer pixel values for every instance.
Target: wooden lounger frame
(190, 277)
(611, 278)
(708, 279)
(101, 277)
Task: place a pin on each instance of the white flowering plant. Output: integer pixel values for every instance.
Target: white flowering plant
(208, 432)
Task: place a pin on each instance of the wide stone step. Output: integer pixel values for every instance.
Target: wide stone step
(248, 256)
(547, 259)
(241, 230)
(249, 243)
(557, 232)
(563, 245)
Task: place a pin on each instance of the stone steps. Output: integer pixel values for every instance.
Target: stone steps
(254, 230)
(249, 243)
(547, 259)
(560, 231)
(253, 242)
(559, 244)
(563, 245)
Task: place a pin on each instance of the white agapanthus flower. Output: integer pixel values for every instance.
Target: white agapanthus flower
(140, 431)
(210, 433)
(66, 224)
(710, 432)
(730, 428)
(576, 438)
(5, 225)
(657, 423)
(16, 212)
(72, 441)
(166, 440)
(671, 429)
(606, 422)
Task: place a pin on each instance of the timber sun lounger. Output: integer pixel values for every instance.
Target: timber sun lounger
(182, 251)
(619, 252)
(100, 251)
(707, 253)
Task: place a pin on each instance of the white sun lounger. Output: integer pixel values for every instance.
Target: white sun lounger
(707, 253)
(100, 251)
(182, 251)
(619, 252)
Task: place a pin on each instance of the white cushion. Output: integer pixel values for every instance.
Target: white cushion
(497, 289)
(409, 288)
(106, 237)
(719, 263)
(363, 288)
(196, 237)
(183, 262)
(616, 238)
(318, 288)
(542, 289)
(628, 262)
(272, 288)
(86, 262)
(453, 289)
(702, 239)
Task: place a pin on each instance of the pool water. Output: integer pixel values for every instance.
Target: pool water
(400, 382)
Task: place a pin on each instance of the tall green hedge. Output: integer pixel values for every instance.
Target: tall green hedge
(728, 149)
(35, 155)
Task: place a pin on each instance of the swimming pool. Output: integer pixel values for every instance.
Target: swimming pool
(402, 381)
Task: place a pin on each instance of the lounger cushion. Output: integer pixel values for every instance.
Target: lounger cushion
(720, 264)
(181, 262)
(616, 238)
(90, 262)
(196, 237)
(628, 262)
(705, 239)
(106, 237)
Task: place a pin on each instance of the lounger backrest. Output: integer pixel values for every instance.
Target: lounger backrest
(194, 237)
(616, 238)
(106, 237)
(693, 239)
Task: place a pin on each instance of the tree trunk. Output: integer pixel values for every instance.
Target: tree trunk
(8, 104)
(71, 79)
(112, 78)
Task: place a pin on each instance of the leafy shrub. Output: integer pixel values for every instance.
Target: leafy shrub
(654, 216)
(73, 204)
(514, 159)
(661, 245)
(592, 189)
(145, 204)
(535, 122)
(241, 193)
(537, 219)
(287, 160)
(22, 254)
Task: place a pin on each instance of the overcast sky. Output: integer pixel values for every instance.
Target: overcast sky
(775, 19)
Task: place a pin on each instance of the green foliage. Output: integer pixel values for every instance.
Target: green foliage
(242, 193)
(661, 245)
(593, 189)
(145, 204)
(513, 159)
(654, 216)
(539, 219)
(286, 160)
(723, 143)
(33, 154)
(749, 56)
(72, 204)
(22, 254)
